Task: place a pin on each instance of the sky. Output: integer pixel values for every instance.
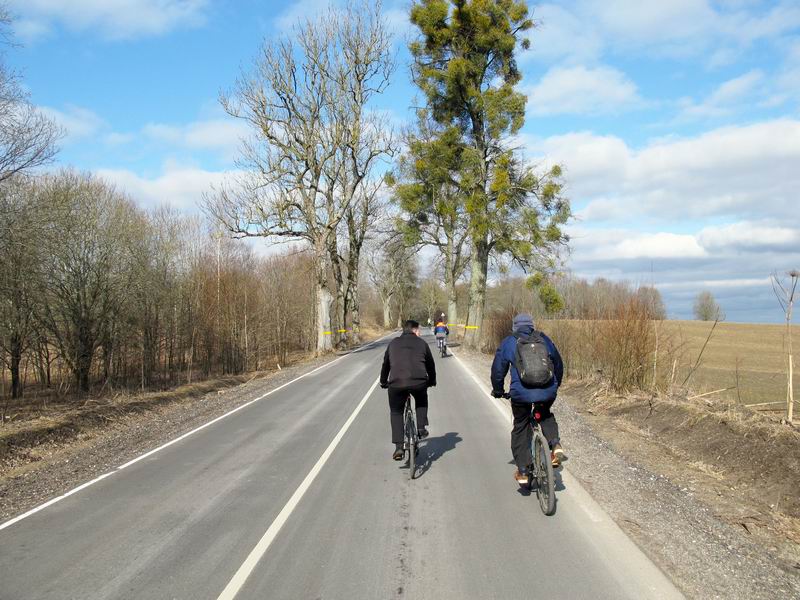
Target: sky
(677, 123)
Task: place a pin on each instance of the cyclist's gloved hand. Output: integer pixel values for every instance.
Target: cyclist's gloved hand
(497, 394)
(384, 384)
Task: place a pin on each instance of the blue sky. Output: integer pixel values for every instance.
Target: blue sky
(678, 123)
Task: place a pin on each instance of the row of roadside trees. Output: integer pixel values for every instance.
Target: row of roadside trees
(96, 290)
(318, 166)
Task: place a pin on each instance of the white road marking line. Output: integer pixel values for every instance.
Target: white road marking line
(83, 486)
(241, 575)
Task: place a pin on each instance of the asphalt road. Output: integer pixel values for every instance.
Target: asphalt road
(296, 496)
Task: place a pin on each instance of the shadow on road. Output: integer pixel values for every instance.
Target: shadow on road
(433, 448)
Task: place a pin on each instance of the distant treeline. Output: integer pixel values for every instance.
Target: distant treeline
(94, 290)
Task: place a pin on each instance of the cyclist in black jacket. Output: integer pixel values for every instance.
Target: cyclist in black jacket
(408, 368)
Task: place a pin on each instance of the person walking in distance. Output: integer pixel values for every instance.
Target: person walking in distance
(536, 373)
(408, 368)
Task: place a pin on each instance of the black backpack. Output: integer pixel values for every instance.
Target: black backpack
(533, 362)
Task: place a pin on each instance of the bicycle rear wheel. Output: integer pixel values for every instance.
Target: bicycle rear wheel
(411, 442)
(543, 471)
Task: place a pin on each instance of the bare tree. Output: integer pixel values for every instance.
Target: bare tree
(314, 142)
(360, 219)
(27, 138)
(706, 308)
(20, 249)
(391, 268)
(85, 263)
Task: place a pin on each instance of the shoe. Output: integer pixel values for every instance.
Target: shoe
(422, 433)
(398, 453)
(521, 477)
(557, 455)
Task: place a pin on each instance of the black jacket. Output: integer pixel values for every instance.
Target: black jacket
(408, 363)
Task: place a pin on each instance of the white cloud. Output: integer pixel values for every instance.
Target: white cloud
(179, 186)
(76, 121)
(213, 134)
(217, 133)
(645, 23)
(733, 260)
(115, 19)
(748, 171)
(586, 30)
(558, 34)
(727, 97)
(582, 90)
(621, 244)
(747, 235)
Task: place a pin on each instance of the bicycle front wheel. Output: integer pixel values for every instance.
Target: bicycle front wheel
(543, 471)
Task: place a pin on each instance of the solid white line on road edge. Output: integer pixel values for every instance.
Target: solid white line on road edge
(241, 575)
(83, 486)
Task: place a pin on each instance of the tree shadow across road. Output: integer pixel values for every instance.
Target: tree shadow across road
(433, 448)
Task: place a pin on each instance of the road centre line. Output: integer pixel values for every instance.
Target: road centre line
(240, 577)
(85, 485)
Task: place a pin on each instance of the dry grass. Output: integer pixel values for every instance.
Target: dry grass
(756, 351)
(746, 361)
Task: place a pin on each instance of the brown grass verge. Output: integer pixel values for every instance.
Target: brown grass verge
(61, 424)
(743, 463)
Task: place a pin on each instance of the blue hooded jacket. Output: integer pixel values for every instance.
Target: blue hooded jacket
(504, 359)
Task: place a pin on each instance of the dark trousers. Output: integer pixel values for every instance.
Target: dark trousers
(524, 415)
(397, 402)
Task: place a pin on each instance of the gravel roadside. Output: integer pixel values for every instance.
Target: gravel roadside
(705, 557)
(65, 466)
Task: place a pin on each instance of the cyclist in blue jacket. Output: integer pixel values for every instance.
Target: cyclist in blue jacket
(526, 401)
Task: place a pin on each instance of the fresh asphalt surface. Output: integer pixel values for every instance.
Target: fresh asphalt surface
(181, 522)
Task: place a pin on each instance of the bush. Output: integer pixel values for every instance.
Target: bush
(626, 348)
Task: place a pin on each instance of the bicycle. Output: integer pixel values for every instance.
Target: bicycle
(542, 468)
(442, 343)
(411, 442)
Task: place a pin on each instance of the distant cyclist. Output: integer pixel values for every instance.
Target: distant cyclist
(543, 375)
(441, 332)
(408, 368)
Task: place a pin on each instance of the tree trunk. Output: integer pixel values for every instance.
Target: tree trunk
(479, 267)
(387, 312)
(355, 311)
(323, 300)
(16, 358)
(340, 316)
(450, 286)
(83, 360)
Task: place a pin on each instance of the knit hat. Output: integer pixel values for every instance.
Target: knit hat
(522, 320)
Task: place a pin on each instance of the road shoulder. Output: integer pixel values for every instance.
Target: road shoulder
(704, 556)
